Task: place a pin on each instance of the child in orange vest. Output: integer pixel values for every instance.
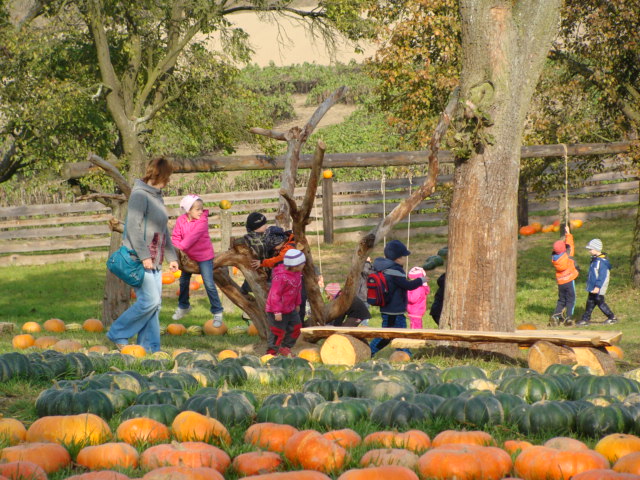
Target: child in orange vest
(566, 273)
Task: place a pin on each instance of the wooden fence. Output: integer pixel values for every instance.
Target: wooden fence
(39, 234)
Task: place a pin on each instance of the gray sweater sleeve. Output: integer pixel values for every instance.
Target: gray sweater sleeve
(136, 225)
(169, 250)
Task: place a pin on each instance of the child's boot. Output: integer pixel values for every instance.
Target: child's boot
(555, 320)
(568, 322)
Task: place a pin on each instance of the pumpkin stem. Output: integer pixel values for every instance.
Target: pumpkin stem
(286, 400)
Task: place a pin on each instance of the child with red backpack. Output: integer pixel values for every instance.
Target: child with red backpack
(389, 274)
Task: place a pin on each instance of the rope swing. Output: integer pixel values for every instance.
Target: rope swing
(383, 190)
(409, 222)
(566, 184)
(315, 207)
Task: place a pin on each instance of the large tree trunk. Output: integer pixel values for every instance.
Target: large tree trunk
(117, 294)
(504, 45)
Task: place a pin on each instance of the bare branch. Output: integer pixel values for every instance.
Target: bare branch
(112, 172)
(312, 184)
(254, 8)
(269, 133)
(293, 207)
(322, 109)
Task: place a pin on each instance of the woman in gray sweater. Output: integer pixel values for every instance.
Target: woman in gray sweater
(148, 235)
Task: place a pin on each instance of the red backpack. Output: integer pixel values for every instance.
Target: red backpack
(377, 289)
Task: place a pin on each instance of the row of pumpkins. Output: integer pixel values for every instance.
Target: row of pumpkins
(554, 227)
(198, 452)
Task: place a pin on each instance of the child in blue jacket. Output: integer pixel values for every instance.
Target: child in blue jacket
(597, 283)
(395, 253)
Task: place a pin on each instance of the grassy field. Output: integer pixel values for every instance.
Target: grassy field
(73, 292)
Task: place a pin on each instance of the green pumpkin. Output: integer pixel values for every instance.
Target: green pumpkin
(331, 389)
(204, 376)
(187, 359)
(509, 402)
(479, 411)
(338, 414)
(553, 418)
(58, 364)
(120, 399)
(309, 400)
(155, 364)
(249, 361)
(532, 388)
(352, 375)
(427, 400)
(293, 415)
(502, 373)
(597, 422)
(14, 365)
(128, 380)
(305, 374)
(162, 413)
(179, 381)
(288, 363)
(399, 414)
(231, 373)
(39, 371)
(446, 390)
(378, 365)
(171, 396)
(55, 401)
(382, 387)
(98, 361)
(432, 262)
(231, 408)
(613, 385)
(462, 372)
(266, 375)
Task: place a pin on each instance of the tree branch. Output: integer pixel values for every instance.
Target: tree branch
(293, 207)
(322, 109)
(112, 171)
(269, 133)
(9, 163)
(254, 8)
(312, 183)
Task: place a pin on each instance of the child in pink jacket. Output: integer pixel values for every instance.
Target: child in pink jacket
(283, 303)
(191, 235)
(417, 299)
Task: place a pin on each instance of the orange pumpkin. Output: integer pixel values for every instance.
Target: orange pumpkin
(108, 455)
(143, 430)
(54, 325)
(527, 230)
(193, 426)
(185, 454)
(327, 174)
(617, 445)
(547, 229)
(556, 223)
(100, 475)
(551, 464)
(194, 285)
(389, 456)
(297, 475)
(168, 278)
(604, 474)
(254, 463)
(134, 350)
(465, 462)
(577, 223)
(25, 340)
(224, 204)
(384, 472)
(414, 440)
(526, 326)
(615, 351)
(630, 463)
(565, 443)
(474, 437)
(31, 327)
(252, 330)
(514, 446)
(22, 470)
(399, 357)
(98, 349)
(176, 329)
(227, 354)
(51, 457)
(346, 437)
(12, 430)
(309, 354)
(209, 329)
(84, 428)
(45, 342)
(66, 346)
(312, 451)
(93, 325)
(183, 473)
(536, 227)
(271, 436)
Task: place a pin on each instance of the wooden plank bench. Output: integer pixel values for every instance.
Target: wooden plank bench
(418, 337)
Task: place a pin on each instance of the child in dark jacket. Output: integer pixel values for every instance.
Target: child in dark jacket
(395, 253)
(597, 284)
(566, 273)
(283, 303)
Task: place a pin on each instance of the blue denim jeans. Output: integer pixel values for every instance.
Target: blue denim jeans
(143, 317)
(206, 270)
(388, 321)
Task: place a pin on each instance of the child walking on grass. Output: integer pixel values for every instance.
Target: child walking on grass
(191, 235)
(597, 284)
(417, 299)
(283, 303)
(566, 273)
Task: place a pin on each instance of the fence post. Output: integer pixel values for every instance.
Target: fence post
(327, 209)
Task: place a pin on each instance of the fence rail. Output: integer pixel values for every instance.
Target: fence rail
(38, 234)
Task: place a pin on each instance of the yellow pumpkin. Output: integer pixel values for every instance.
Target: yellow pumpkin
(252, 330)
(310, 354)
(23, 341)
(31, 327)
(134, 350)
(327, 173)
(225, 204)
(176, 329)
(227, 354)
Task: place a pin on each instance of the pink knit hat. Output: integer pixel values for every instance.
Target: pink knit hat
(559, 246)
(187, 202)
(417, 272)
(332, 289)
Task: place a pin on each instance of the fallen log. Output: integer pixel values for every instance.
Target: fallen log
(599, 362)
(542, 354)
(344, 350)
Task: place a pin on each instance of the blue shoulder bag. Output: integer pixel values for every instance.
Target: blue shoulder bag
(125, 264)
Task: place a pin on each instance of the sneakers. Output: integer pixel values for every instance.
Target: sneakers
(556, 319)
(217, 319)
(181, 312)
(583, 323)
(611, 321)
(568, 322)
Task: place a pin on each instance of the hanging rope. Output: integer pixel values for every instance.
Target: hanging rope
(566, 184)
(318, 236)
(383, 189)
(409, 222)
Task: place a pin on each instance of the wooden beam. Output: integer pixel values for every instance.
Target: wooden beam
(581, 338)
(210, 162)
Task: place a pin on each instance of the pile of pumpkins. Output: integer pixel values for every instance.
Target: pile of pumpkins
(554, 227)
(54, 325)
